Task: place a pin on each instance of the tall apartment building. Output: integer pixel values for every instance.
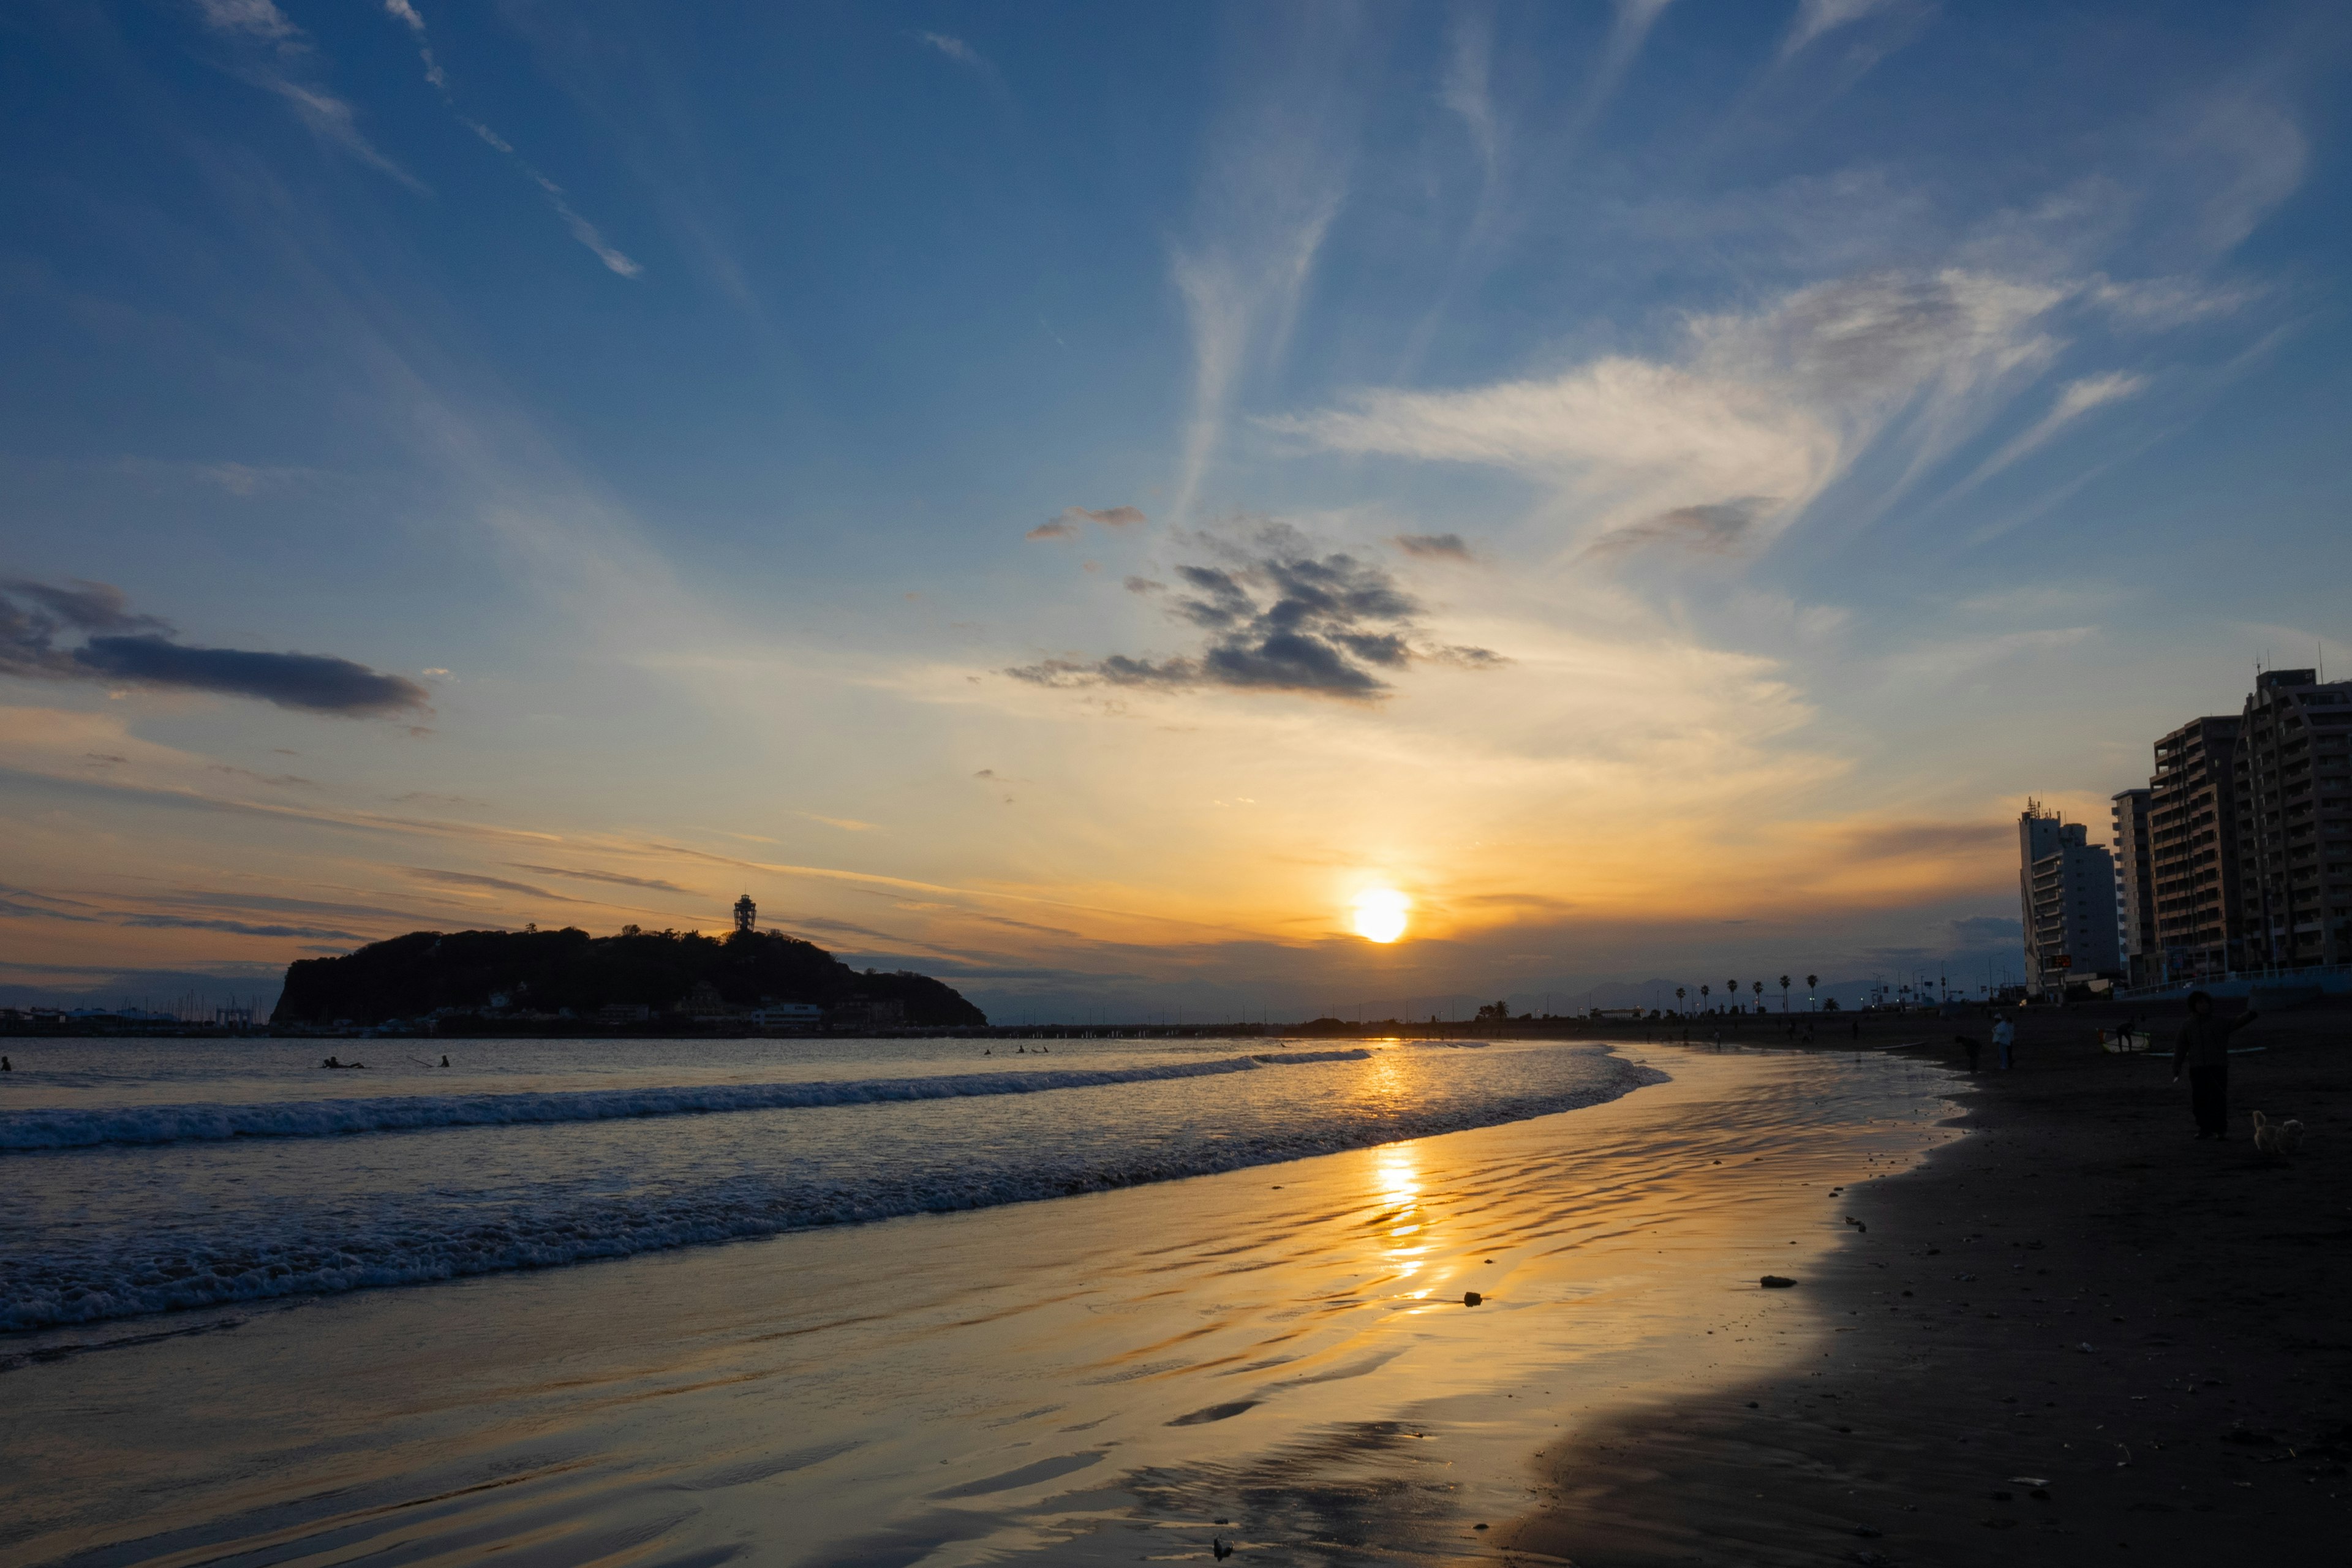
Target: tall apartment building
(2136, 887)
(2293, 791)
(2066, 888)
(2193, 849)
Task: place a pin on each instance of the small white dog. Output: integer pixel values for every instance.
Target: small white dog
(2276, 1137)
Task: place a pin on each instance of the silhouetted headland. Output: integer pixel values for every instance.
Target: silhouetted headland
(567, 982)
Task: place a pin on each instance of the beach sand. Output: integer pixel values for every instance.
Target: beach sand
(1279, 1358)
(2075, 1293)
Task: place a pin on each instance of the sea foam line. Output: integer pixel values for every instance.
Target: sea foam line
(52, 1126)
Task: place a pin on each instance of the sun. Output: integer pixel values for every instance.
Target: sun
(1380, 914)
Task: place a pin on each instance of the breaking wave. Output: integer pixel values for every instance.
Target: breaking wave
(51, 1128)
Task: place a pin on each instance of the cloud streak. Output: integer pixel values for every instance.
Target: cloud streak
(615, 260)
(270, 46)
(137, 650)
(2074, 399)
(493, 884)
(1068, 523)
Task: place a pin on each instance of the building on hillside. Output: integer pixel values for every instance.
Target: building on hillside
(2294, 792)
(702, 1001)
(787, 1016)
(617, 1013)
(2193, 849)
(2136, 887)
(877, 1014)
(2066, 887)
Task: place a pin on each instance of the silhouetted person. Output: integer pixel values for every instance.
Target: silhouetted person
(7, 1065)
(2204, 1047)
(2004, 1040)
(445, 1061)
(1971, 1044)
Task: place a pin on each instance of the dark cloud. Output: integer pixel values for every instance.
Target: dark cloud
(318, 682)
(274, 904)
(1144, 585)
(239, 927)
(1450, 546)
(282, 781)
(1065, 524)
(499, 884)
(138, 650)
(1280, 618)
(84, 606)
(1716, 529)
(613, 877)
(1986, 930)
(17, 908)
(1896, 840)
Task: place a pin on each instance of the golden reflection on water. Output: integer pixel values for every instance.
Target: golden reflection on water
(1406, 1235)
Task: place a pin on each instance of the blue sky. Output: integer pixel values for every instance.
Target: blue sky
(1074, 498)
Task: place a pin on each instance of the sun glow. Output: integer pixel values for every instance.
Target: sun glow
(1380, 914)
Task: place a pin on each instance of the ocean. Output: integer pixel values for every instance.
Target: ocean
(155, 1176)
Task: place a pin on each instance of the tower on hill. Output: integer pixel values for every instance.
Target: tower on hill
(747, 916)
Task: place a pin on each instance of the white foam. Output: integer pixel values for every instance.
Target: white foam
(75, 1128)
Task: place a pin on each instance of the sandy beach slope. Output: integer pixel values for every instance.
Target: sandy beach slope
(2077, 1334)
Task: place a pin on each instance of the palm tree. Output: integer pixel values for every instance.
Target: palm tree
(1811, 981)
(1784, 993)
(1679, 992)
(1733, 985)
(1759, 995)
(1702, 996)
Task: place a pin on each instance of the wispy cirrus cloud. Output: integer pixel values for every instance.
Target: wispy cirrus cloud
(614, 260)
(955, 48)
(1280, 157)
(1815, 19)
(268, 48)
(2074, 399)
(133, 649)
(1777, 402)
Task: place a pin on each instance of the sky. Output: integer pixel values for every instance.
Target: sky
(1085, 501)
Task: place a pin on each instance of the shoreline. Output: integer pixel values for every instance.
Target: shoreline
(2074, 1292)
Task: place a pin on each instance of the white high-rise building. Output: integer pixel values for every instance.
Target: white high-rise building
(2066, 891)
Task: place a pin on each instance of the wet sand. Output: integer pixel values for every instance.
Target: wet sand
(1279, 1359)
(2076, 1293)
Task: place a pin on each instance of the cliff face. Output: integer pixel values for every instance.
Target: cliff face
(550, 970)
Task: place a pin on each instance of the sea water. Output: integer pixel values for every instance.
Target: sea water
(152, 1176)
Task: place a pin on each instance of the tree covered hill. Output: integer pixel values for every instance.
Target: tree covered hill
(548, 971)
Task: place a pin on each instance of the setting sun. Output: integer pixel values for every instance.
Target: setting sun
(1380, 914)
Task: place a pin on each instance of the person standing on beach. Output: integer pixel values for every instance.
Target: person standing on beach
(2004, 1036)
(2204, 1048)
